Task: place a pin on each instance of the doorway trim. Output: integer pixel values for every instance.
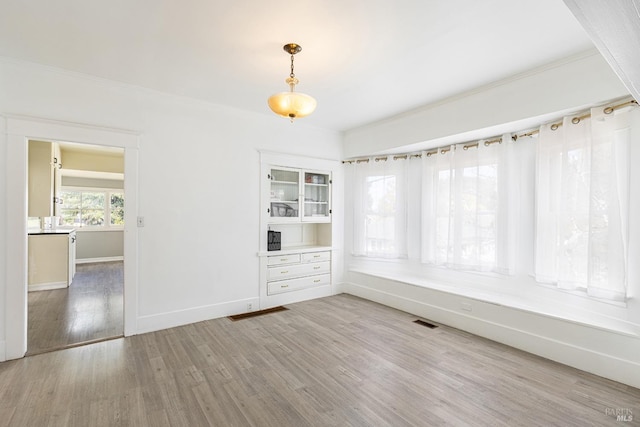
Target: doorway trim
(19, 130)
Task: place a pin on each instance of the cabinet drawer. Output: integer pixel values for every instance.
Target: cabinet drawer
(283, 259)
(295, 284)
(297, 270)
(316, 256)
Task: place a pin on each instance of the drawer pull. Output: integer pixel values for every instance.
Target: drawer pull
(284, 272)
(284, 286)
(316, 281)
(284, 259)
(316, 256)
(316, 268)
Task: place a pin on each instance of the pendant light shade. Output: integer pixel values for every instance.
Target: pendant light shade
(292, 104)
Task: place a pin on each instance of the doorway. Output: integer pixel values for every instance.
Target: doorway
(88, 194)
(19, 130)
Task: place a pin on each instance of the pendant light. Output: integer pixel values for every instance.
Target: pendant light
(292, 104)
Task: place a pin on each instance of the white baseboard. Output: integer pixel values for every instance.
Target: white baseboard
(3, 351)
(100, 259)
(606, 365)
(156, 322)
(47, 286)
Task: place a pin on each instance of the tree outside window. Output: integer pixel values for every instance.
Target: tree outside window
(117, 208)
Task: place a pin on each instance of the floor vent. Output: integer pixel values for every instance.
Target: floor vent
(427, 324)
(257, 313)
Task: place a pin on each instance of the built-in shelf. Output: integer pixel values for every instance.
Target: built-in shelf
(295, 202)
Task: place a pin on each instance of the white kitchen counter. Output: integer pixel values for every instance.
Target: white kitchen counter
(59, 230)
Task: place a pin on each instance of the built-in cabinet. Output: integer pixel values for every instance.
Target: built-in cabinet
(57, 179)
(287, 273)
(52, 259)
(44, 179)
(296, 203)
(299, 195)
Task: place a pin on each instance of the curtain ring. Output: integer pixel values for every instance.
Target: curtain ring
(608, 110)
(575, 120)
(555, 126)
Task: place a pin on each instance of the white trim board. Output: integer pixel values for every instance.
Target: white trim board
(172, 319)
(47, 286)
(99, 259)
(19, 130)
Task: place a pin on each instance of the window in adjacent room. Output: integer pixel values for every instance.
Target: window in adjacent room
(93, 208)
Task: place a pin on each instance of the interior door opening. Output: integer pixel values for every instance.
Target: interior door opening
(75, 260)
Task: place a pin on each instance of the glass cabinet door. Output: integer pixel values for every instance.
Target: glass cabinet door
(285, 194)
(316, 196)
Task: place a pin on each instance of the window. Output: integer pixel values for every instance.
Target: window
(116, 212)
(555, 207)
(462, 226)
(380, 230)
(94, 208)
(380, 208)
(582, 204)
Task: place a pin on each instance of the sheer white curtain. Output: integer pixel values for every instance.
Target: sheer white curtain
(468, 215)
(379, 207)
(582, 203)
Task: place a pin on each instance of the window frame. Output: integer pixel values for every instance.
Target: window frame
(107, 208)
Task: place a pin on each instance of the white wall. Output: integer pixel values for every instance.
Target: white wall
(99, 245)
(505, 106)
(76, 181)
(198, 184)
(3, 234)
(598, 337)
(96, 162)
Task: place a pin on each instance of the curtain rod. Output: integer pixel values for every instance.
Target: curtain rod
(496, 140)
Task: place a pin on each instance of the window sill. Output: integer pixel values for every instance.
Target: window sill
(98, 229)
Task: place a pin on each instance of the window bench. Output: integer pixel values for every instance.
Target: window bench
(501, 291)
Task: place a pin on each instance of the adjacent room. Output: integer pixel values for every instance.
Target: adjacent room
(75, 241)
(355, 213)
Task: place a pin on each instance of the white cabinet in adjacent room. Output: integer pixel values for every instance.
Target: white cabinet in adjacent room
(72, 257)
(44, 179)
(41, 179)
(51, 259)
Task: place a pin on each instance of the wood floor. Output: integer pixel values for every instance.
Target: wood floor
(88, 310)
(336, 361)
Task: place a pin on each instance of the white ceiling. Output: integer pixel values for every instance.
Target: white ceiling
(363, 60)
